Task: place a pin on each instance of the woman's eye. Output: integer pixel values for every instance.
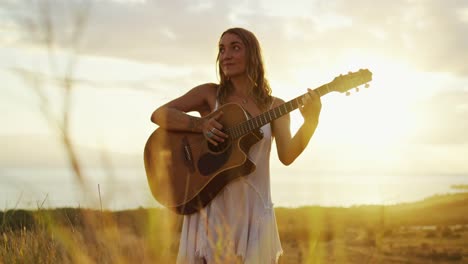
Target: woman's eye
(236, 48)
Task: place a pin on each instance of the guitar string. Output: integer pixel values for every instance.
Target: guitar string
(198, 145)
(243, 128)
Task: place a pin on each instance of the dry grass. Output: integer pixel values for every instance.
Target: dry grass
(368, 234)
(85, 236)
(358, 245)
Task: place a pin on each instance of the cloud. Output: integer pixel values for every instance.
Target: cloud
(430, 34)
(447, 113)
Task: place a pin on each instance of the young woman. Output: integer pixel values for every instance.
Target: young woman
(238, 225)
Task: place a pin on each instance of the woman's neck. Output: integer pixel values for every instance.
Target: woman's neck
(242, 86)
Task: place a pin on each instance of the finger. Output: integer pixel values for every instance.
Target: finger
(306, 99)
(210, 137)
(313, 93)
(215, 124)
(217, 138)
(219, 133)
(212, 141)
(214, 120)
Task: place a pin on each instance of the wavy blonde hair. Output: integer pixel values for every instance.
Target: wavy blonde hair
(261, 91)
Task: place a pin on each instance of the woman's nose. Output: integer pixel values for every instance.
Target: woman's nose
(227, 54)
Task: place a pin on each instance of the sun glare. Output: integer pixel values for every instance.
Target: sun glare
(381, 115)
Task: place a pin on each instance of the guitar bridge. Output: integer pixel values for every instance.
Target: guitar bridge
(188, 154)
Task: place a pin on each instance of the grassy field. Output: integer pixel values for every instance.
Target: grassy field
(431, 231)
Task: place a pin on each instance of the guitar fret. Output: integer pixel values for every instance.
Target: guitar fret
(297, 102)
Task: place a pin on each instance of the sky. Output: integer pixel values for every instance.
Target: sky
(125, 58)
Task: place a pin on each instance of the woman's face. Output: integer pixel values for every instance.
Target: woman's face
(232, 55)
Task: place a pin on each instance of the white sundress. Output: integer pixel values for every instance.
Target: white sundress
(240, 221)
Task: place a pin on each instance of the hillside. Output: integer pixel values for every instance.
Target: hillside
(433, 230)
(446, 209)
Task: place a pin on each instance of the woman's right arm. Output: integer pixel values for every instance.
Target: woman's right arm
(172, 115)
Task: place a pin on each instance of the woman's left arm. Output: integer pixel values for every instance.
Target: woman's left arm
(288, 147)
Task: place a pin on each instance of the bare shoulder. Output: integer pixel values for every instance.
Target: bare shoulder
(208, 88)
(200, 98)
(204, 97)
(209, 92)
(277, 101)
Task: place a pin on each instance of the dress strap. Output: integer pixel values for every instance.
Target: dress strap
(272, 101)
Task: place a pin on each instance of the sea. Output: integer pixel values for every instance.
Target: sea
(127, 188)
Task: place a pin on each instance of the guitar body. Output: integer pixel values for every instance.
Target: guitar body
(185, 172)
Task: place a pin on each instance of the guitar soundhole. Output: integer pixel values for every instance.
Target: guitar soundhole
(209, 163)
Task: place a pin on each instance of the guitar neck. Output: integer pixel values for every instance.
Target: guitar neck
(273, 114)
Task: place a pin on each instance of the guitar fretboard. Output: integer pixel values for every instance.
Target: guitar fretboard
(273, 114)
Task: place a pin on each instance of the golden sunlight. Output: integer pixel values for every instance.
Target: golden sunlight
(382, 114)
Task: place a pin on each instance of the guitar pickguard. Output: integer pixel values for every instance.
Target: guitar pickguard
(210, 163)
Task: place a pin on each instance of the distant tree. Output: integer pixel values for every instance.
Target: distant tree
(460, 187)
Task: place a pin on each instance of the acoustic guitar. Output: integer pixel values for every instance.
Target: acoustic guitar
(185, 172)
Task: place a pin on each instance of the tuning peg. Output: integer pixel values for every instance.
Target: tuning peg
(366, 85)
(348, 93)
(357, 89)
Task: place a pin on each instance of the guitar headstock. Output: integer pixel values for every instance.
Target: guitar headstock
(344, 83)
